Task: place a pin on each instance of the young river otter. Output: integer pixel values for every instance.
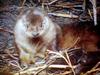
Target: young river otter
(34, 31)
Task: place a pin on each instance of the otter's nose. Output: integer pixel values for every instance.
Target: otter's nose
(35, 34)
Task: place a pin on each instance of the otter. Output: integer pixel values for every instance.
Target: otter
(34, 31)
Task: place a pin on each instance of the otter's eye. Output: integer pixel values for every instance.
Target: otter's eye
(27, 26)
(40, 24)
(43, 25)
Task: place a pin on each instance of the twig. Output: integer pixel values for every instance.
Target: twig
(21, 9)
(71, 6)
(91, 71)
(59, 54)
(84, 5)
(60, 66)
(23, 3)
(90, 13)
(94, 11)
(31, 70)
(66, 52)
(41, 69)
(5, 30)
(66, 73)
(52, 2)
(32, 3)
(67, 61)
(76, 41)
(11, 55)
(70, 64)
(35, 70)
(16, 64)
(47, 65)
(64, 15)
(96, 65)
(94, 69)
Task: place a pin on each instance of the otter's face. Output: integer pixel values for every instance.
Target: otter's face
(34, 31)
(34, 24)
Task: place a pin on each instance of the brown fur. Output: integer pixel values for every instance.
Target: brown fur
(87, 39)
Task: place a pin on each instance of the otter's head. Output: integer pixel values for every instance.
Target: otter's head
(35, 23)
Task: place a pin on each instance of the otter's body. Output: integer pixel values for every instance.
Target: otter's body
(34, 31)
